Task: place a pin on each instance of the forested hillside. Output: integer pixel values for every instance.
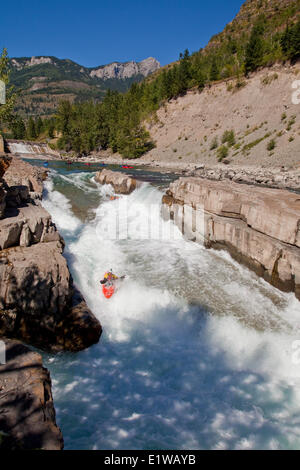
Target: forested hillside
(264, 32)
(44, 81)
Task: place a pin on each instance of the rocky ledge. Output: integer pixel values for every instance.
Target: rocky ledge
(27, 418)
(38, 302)
(122, 183)
(260, 227)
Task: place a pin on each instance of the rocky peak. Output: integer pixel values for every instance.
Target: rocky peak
(126, 70)
(30, 61)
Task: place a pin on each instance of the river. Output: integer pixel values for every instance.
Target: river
(197, 352)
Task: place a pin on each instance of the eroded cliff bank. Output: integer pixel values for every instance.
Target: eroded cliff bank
(260, 227)
(38, 301)
(38, 305)
(257, 110)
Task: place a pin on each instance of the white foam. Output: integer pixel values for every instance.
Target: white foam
(60, 209)
(197, 351)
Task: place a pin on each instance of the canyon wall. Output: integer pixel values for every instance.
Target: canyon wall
(260, 227)
(38, 302)
(38, 305)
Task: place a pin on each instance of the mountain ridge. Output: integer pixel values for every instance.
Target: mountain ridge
(45, 80)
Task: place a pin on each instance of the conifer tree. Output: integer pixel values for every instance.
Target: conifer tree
(18, 128)
(31, 132)
(254, 49)
(6, 110)
(214, 70)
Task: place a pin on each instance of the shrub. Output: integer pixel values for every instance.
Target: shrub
(269, 79)
(240, 84)
(228, 137)
(214, 143)
(222, 152)
(271, 145)
(291, 123)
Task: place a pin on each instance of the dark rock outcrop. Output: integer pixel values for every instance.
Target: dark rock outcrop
(4, 164)
(260, 227)
(38, 302)
(27, 417)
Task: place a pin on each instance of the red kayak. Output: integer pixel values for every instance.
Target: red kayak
(108, 290)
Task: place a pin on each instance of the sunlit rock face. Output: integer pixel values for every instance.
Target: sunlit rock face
(126, 70)
(31, 61)
(258, 226)
(38, 302)
(122, 183)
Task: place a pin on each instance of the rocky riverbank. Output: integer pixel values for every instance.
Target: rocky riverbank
(258, 226)
(273, 176)
(39, 303)
(281, 177)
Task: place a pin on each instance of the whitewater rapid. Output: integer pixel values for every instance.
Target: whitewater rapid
(197, 352)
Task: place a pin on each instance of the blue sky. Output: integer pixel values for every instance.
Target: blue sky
(93, 32)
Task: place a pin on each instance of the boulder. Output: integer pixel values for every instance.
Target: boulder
(27, 418)
(27, 225)
(122, 183)
(37, 300)
(21, 173)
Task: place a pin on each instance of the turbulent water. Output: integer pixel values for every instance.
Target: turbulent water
(197, 352)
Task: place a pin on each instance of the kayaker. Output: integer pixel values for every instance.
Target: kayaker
(110, 276)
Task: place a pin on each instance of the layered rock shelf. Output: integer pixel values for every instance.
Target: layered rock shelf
(122, 183)
(38, 302)
(260, 227)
